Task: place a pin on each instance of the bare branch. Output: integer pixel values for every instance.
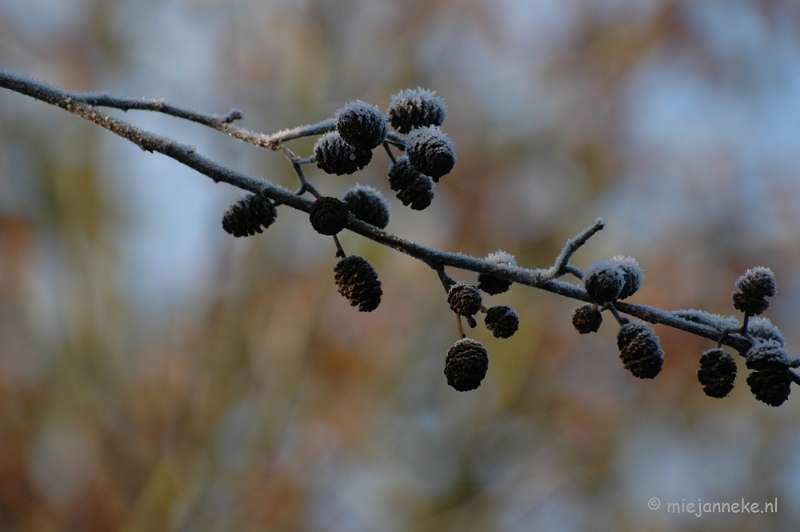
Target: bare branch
(82, 105)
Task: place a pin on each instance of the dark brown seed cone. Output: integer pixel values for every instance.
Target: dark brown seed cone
(639, 350)
(248, 215)
(502, 320)
(431, 151)
(368, 205)
(493, 285)
(466, 364)
(416, 108)
(334, 156)
(587, 319)
(749, 304)
(464, 299)
(418, 195)
(767, 356)
(358, 282)
(361, 125)
(328, 215)
(757, 282)
(770, 387)
(717, 373)
(603, 281)
(402, 174)
(632, 274)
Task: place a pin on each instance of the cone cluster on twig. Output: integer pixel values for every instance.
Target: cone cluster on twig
(346, 147)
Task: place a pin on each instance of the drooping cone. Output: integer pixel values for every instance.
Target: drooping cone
(248, 215)
(466, 364)
(358, 282)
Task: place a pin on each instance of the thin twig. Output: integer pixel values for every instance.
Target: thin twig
(559, 268)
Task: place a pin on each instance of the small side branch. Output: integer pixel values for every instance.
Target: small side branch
(562, 265)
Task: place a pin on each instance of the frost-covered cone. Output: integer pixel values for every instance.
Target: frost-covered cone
(334, 156)
(755, 285)
(502, 320)
(763, 329)
(464, 299)
(328, 215)
(416, 108)
(466, 364)
(767, 355)
(248, 215)
(604, 281)
(757, 282)
(418, 195)
(361, 125)
(431, 151)
(639, 350)
(368, 205)
(495, 285)
(587, 319)
(402, 174)
(717, 373)
(748, 304)
(358, 282)
(770, 387)
(632, 274)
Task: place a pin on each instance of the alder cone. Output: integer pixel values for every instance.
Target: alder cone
(770, 387)
(464, 299)
(431, 151)
(640, 350)
(328, 215)
(502, 320)
(413, 108)
(358, 281)
(587, 319)
(335, 156)
(248, 215)
(717, 373)
(466, 364)
(361, 125)
(368, 205)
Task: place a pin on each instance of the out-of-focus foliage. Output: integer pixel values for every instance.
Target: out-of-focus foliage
(158, 374)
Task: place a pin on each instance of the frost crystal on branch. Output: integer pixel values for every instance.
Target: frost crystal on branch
(494, 285)
(763, 329)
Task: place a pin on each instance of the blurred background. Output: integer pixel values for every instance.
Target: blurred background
(158, 374)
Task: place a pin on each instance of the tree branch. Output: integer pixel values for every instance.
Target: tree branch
(85, 105)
